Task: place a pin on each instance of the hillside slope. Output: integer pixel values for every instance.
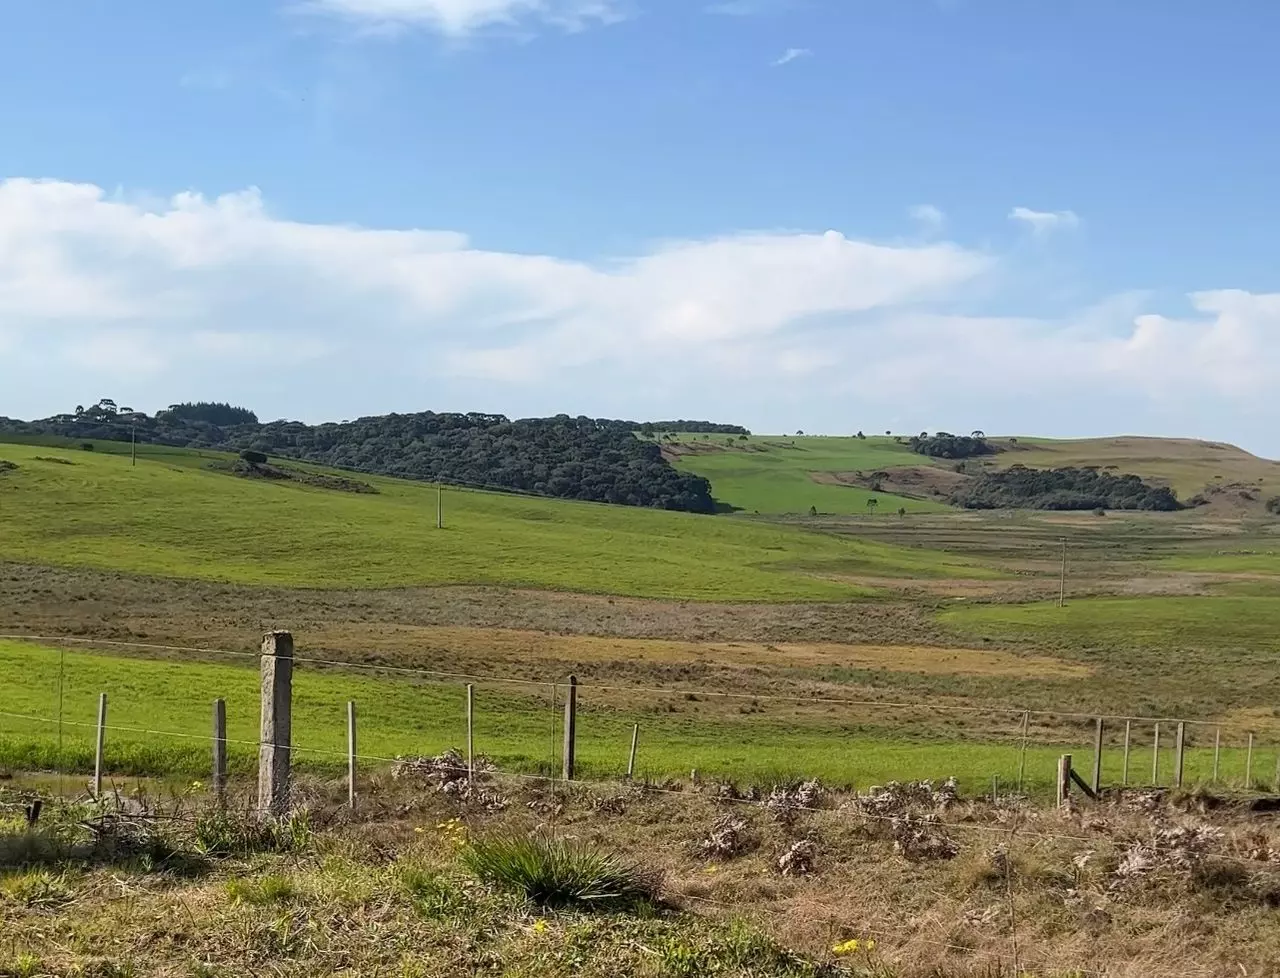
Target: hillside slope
(173, 516)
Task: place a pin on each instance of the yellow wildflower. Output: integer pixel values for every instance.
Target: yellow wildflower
(540, 927)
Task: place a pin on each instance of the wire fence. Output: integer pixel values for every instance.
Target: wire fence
(159, 715)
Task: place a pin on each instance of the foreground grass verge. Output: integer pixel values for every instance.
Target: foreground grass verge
(168, 517)
(158, 714)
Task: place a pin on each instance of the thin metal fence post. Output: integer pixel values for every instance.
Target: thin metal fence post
(1097, 757)
(1179, 754)
(570, 729)
(220, 750)
(1022, 754)
(1155, 757)
(1128, 735)
(98, 748)
(635, 742)
(1217, 751)
(471, 732)
(351, 754)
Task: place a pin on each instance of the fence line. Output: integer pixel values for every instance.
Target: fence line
(498, 774)
(1018, 712)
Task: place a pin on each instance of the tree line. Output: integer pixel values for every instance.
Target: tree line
(597, 460)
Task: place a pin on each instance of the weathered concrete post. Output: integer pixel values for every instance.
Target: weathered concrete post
(570, 730)
(277, 709)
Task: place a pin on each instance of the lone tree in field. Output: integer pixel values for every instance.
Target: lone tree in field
(813, 510)
(978, 433)
(872, 503)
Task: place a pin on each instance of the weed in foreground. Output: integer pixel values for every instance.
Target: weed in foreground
(559, 873)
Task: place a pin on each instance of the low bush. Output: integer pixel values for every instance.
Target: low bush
(559, 873)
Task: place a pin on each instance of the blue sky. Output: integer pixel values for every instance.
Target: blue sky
(818, 214)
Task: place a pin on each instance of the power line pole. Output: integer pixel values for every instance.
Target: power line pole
(439, 509)
(133, 442)
(1062, 588)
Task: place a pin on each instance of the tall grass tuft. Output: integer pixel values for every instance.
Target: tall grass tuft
(559, 873)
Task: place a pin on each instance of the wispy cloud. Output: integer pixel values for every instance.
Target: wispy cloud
(790, 55)
(457, 18)
(1043, 222)
(928, 215)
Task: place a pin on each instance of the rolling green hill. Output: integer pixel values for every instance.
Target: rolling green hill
(787, 475)
(172, 516)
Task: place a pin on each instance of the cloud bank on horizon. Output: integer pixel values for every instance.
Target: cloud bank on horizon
(220, 298)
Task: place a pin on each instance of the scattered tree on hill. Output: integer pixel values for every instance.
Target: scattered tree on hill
(210, 412)
(798, 432)
(861, 436)
(872, 503)
(813, 510)
(1273, 505)
(979, 433)
(902, 511)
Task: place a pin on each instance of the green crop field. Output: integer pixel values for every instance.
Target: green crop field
(158, 720)
(168, 516)
(775, 474)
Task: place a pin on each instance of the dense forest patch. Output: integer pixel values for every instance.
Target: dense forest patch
(1019, 487)
(580, 458)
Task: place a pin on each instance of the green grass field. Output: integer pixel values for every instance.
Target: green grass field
(159, 715)
(772, 474)
(169, 517)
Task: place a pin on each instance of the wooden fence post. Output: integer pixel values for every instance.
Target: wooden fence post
(1179, 753)
(97, 754)
(351, 754)
(570, 728)
(1096, 781)
(219, 750)
(471, 732)
(276, 722)
(1217, 751)
(635, 742)
(1064, 779)
(1248, 765)
(1128, 734)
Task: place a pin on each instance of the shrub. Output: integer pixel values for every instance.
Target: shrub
(559, 873)
(86, 446)
(253, 458)
(1273, 505)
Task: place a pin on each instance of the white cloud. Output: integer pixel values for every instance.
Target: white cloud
(156, 301)
(929, 216)
(456, 18)
(1043, 222)
(790, 55)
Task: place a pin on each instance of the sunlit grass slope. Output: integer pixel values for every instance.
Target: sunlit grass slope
(168, 516)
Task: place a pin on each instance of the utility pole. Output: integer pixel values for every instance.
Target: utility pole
(133, 442)
(1062, 588)
(439, 509)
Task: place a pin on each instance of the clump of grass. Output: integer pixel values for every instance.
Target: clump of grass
(35, 888)
(23, 966)
(220, 832)
(433, 895)
(559, 873)
(262, 892)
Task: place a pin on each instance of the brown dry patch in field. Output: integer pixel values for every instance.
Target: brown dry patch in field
(922, 481)
(1260, 720)
(527, 647)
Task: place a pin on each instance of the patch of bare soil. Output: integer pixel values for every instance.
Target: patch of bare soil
(917, 481)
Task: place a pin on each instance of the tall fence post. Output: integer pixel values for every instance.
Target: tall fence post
(1096, 782)
(1128, 735)
(101, 743)
(471, 732)
(1064, 779)
(635, 743)
(1155, 757)
(219, 750)
(1248, 764)
(351, 754)
(276, 722)
(1179, 754)
(570, 728)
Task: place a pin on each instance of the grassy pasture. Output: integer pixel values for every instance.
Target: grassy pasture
(771, 474)
(168, 516)
(162, 709)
